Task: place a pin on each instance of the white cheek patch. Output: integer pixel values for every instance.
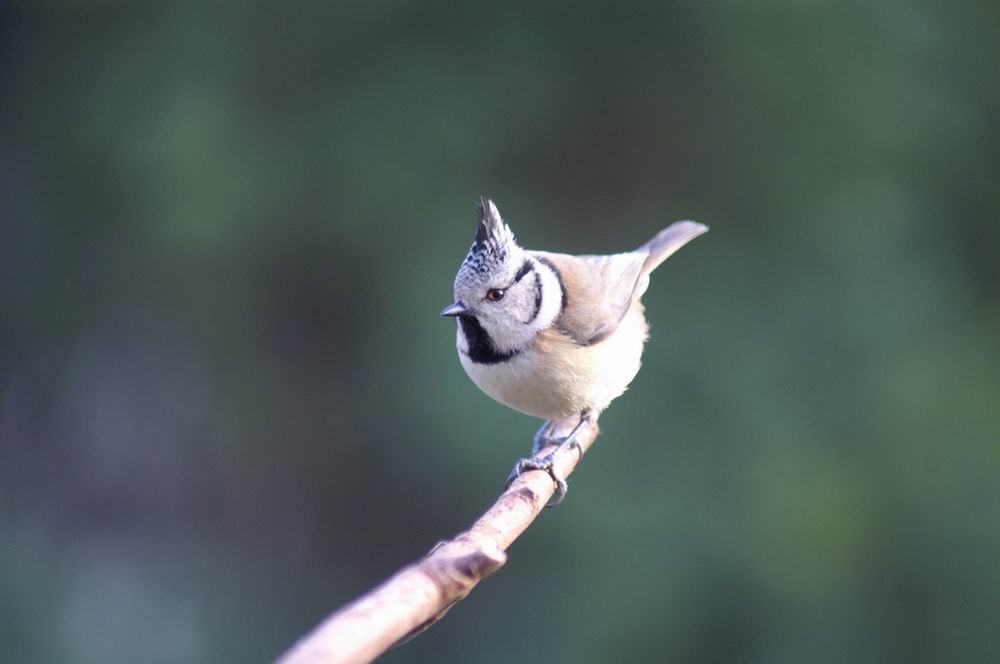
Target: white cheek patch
(506, 330)
(552, 298)
(536, 307)
(520, 323)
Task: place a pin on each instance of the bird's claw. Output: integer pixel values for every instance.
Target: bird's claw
(546, 463)
(544, 438)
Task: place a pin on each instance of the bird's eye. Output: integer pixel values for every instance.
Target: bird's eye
(495, 294)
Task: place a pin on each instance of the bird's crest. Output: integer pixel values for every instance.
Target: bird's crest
(494, 240)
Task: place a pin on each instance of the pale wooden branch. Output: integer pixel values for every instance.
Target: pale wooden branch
(418, 595)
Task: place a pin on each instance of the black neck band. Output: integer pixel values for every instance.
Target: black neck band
(481, 348)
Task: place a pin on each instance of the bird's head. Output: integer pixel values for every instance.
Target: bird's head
(498, 286)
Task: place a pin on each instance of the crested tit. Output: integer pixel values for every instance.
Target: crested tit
(553, 335)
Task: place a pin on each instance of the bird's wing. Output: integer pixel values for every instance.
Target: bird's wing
(598, 291)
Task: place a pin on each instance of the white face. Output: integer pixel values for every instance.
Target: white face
(504, 296)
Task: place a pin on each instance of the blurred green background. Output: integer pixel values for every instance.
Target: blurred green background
(228, 404)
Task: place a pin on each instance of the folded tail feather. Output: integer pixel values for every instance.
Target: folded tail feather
(669, 240)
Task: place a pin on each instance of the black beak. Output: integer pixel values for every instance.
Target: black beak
(456, 309)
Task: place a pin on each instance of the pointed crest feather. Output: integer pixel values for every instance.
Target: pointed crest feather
(494, 241)
(492, 234)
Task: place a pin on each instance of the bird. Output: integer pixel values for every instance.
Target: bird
(553, 335)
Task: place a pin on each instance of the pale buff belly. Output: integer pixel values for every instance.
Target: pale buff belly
(554, 378)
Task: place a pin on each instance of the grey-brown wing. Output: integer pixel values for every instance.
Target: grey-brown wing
(598, 291)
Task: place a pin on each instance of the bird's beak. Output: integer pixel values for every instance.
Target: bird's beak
(456, 309)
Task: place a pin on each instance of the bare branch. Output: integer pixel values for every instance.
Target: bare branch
(418, 595)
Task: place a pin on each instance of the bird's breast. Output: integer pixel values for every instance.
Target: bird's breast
(554, 377)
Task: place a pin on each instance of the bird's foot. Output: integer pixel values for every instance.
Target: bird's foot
(546, 463)
(544, 439)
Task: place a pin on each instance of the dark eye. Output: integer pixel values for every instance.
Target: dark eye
(495, 294)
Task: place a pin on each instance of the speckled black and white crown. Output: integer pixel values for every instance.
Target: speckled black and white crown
(494, 241)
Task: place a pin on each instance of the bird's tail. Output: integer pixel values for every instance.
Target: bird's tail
(669, 240)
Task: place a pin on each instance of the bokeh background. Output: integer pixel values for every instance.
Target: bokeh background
(228, 404)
